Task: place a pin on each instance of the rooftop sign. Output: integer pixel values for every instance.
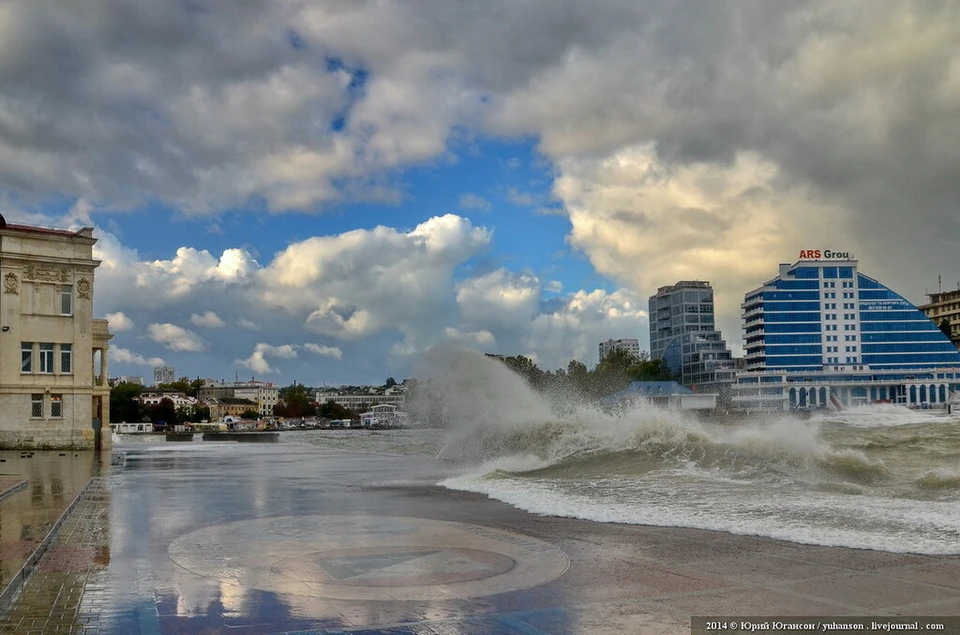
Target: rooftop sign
(825, 254)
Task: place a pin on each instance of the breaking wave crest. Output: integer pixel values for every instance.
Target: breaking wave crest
(882, 479)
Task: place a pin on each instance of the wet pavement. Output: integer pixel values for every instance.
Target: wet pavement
(235, 538)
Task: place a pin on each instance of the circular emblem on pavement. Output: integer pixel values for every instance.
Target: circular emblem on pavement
(369, 557)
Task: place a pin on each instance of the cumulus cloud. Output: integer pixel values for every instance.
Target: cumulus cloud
(176, 338)
(649, 223)
(842, 106)
(119, 322)
(325, 351)
(247, 324)
(208, 320)
(257, 362)
(573, 328)
(118, 355)
(687, 140)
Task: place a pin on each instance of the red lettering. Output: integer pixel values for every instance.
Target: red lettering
(809, 253)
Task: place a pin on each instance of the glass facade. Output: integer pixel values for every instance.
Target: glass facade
(683, 334)
(856, 342)
(828, 316)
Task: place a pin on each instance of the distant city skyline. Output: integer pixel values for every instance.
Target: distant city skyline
(332, 189)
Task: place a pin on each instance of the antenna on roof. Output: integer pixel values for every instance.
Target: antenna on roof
(939, 283)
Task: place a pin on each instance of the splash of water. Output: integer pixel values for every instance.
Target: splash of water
(497, 423)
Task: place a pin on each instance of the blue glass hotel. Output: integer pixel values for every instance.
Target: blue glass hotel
(823, 335)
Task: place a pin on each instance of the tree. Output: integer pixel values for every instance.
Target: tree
(945, 327)
(195, 387)
(249, 414)
(124, 406)
(295, 402)
(164, 412)
(650, 370)
(333, 410)
(390, 383)
(183, 385)
(613, 373)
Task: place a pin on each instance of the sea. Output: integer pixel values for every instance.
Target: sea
(878, 477)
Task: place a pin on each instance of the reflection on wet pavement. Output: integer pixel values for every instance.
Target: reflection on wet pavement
(276, 539)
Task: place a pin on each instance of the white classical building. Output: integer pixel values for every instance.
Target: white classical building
(53, 353)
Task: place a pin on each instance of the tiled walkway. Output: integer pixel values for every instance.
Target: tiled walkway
(61, 595)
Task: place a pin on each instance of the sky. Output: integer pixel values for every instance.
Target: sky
(320, 192)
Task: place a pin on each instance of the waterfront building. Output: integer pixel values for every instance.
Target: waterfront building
(262, 394)
(359, 402)
(178, 399)
(229, 407)
(822, 334)
(683, 334)
(164, 375)
(53, 354)
(945, 305)
(626, 345)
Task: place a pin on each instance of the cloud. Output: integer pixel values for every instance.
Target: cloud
(326, 351)
(257, 362)
(176, 338)
(472, 201)
(522, 199)
(208, 320)
(119, 322)
(118, 355)
(247, 324)
(574, 328)
(311, 104)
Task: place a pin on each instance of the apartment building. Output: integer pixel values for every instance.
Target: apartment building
(264, 395)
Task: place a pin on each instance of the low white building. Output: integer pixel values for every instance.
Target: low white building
(179, 399)
(360, 402)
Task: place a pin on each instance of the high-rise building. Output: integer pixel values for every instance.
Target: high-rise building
(53, 353)
(945, 305)
(822, 334)
(629, 346)
(164, 375)
(683, 334)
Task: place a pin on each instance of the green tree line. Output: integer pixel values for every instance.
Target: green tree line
(612, 374)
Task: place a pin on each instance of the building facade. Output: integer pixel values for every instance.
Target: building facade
(53, 353)
(360, 402)
(164, 375)
(822, 334)
(945, 305)
(264, 395)
(626, 345)
(683, 334)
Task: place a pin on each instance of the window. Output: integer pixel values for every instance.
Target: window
(66, 358)
(36, 405)
(26, 357)
(46, 358)
(56, 406)
(66, 299)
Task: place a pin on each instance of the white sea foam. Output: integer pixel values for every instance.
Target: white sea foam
(880, 415)
(828, 519)
(823, 481)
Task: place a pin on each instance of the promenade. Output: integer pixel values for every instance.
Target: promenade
(226, 538)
